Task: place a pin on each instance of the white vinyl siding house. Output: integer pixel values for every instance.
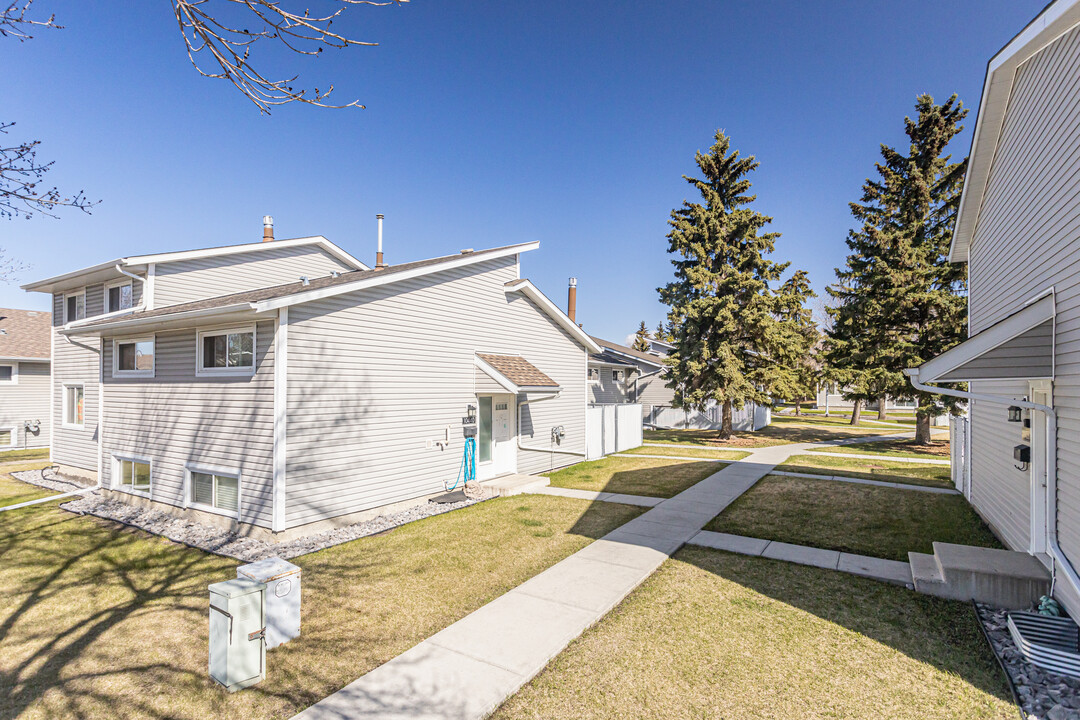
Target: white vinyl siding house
(1018, 229)
(24, 396)
(316, 399)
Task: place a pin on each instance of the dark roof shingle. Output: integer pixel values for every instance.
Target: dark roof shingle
(24, 334)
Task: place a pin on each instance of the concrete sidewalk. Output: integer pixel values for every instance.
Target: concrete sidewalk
(467, 670)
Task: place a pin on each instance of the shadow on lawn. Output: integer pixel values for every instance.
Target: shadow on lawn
(779, 433)
(941, 633)
(106, 617)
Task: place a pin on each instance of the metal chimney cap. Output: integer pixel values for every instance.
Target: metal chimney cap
(268, 219)
(573, 282)
(380, 216)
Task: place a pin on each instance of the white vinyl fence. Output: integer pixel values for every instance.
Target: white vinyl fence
(750, 417)
(612, 428)
(960, 453)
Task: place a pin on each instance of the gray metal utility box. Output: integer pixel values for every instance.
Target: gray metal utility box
(237, 623)
(282, 581)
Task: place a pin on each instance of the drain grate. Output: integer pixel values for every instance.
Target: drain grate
(1052, 643)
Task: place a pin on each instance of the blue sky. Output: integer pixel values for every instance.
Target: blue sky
(488, 123)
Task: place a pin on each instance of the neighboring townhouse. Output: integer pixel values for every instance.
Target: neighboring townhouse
(283, 384)
(1018, 230)
(24, 379)
(831, 395)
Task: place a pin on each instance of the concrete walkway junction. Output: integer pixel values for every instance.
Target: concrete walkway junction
(467, 670)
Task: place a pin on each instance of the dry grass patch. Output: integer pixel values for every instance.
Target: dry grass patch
(13, 492)
(715, 635)
(937, 449)
(99, 621)
(651, 477)
(694, 452)
(782, 431)
(862, 519)
(883, 470)
(35, 454)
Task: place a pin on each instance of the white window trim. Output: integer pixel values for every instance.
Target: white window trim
(117, 372)
(114, 483)
(64, 386)
(76, 293)
(119, 283)
(614, 379)
(14, 373)
(14, 436)
(212, 470)
(201, 371)
(590, 378)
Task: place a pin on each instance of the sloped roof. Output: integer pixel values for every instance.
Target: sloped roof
(24, 334)
(298, 289)
(609, 358)
(518, 371)
(655, 360)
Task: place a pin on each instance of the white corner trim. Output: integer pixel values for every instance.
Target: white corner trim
(392, 277)
(281, 419)
(148, 286)
(525, 287)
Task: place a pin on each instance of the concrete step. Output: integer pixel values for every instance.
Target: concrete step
(1002, 578)
(515, 484)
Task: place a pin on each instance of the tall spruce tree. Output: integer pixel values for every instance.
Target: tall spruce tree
(797, 370)
(725, 315)
(899, 301)
(641, 338)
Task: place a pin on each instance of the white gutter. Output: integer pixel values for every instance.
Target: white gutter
(1056, 553)
(522, 403)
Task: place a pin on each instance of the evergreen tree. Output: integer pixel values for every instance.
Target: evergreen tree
(725, 316)
(641, 338)
(899, 301)
(797, 371)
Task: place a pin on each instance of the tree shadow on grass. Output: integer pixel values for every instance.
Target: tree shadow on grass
(655, 477)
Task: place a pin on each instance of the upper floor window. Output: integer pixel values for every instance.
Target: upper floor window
(226, 352)
(9, 375)
(618, 375)
(119, 296)
(594, 375)
(133, 357)
(74, 306)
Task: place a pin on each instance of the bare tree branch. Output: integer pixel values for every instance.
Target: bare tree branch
(9, 267)
(227, 45)
(14, 23)
(20, 176)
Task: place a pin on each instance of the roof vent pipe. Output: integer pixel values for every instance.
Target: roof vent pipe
(378, 254)
(571, 299)
(304, 280)
(268, 228)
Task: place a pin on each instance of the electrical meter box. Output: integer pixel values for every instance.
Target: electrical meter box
(282, 580)
(237, 615)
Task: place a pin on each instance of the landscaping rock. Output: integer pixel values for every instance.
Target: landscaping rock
(1043, 695)
(50, 479)
(223, 542)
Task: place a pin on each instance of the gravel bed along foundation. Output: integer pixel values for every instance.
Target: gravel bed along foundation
(1044, 695)
(224, 542)
(50, 480)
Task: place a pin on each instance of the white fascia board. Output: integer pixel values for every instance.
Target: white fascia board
(246, 248)
(391, 277)
(182, 317)
(1053, 22)
(1033, 315)
(526, 288)
(25, 359)
(61, 282)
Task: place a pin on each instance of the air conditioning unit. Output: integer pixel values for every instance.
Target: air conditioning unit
(282, 580)
(237, 627)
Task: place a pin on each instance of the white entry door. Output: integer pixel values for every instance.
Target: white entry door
(1040, 393)
(496, 451)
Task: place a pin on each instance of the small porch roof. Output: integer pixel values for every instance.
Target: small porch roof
(516, 374)
(1020, 347)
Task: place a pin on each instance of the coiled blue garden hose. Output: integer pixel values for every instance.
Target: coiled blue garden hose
(468, 464)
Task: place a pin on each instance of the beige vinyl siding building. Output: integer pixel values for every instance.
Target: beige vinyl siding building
(1018, 229)
(605, 388)
(24, 379)
(351, 397)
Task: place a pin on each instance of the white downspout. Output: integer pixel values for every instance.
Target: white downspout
(1056, 553)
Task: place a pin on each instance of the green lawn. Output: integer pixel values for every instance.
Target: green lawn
(937, 449)
(884, 470)
(782, 431)
(694, 452)
(715, 635)
(862, 519)
(635, 476)
(13, 492)
(101, 621)
(10, 455)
